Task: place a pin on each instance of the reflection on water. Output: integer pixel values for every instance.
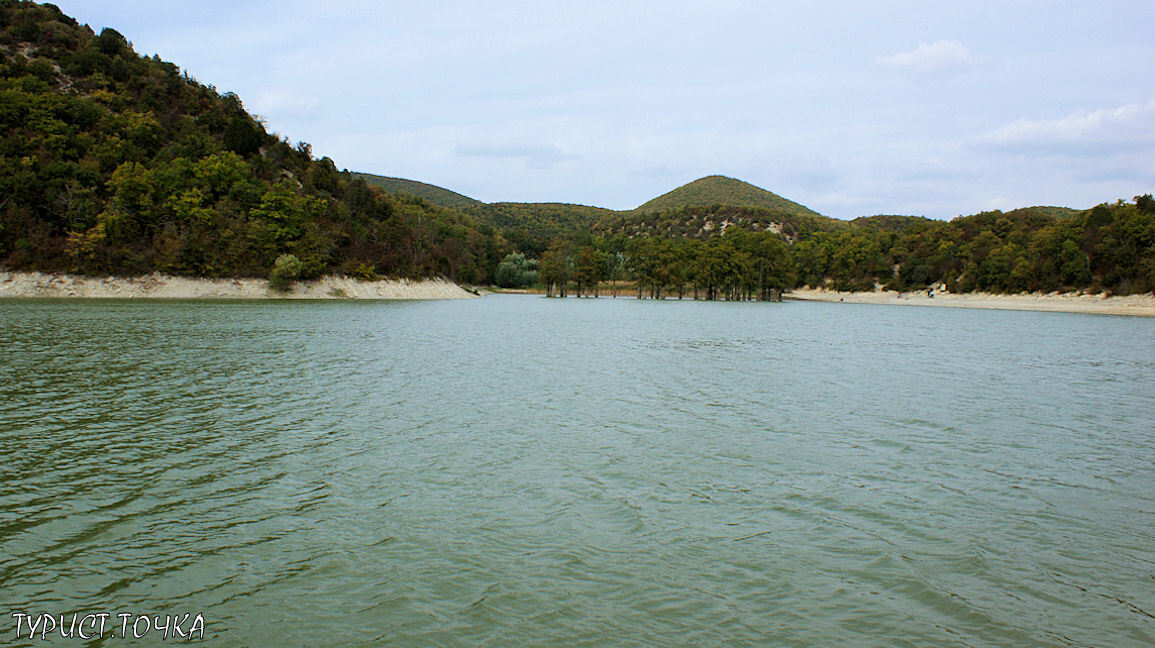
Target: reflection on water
(524, 471)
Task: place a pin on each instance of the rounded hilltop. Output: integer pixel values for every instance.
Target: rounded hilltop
(721, 190)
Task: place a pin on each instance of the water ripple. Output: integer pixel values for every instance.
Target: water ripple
(611, 472)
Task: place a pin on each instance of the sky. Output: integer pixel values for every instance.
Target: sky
(916, 107)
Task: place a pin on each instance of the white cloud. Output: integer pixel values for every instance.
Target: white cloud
(1105, 131)
(940, 56)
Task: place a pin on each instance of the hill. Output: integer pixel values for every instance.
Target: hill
(707, 205)
(696, 210)
(431, 193)
(706, 221)
(531, 226)
(720, 190)
(116, 163)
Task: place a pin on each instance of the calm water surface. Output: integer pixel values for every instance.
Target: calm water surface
(517, 471)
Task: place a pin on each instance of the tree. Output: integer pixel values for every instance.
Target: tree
(515, 271)
(587, 271)
(613, 251)
(556, 268)
(285, 271)
(111, 42)
(243, 136)
(1145, 203)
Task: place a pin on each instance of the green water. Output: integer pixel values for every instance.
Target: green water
(519, 471)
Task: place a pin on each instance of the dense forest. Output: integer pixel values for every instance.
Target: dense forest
(749, 253)
(117, 163)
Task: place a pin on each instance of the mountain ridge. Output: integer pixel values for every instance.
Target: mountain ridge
(430, 192)
(706, 191)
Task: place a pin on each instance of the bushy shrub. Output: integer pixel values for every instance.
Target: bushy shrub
(364, 272)
(515, 271)
(286, 269)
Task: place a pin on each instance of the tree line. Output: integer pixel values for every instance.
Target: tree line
(740, 265)
(1109, 248)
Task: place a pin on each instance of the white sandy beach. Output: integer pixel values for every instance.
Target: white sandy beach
(159, 286)
(1141, 305)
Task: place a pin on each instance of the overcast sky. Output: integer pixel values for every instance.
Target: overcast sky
(850, 108)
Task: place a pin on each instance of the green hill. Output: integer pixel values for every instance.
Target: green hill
(432, 193)
(706, 221)
(117, 163)
(696, 210)
(528, 226)
(531, 226)
(720, 190)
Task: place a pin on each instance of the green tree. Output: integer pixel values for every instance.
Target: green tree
(556, 268)
(243, 136)
(111, 42)
(515, 271)
(286, 270)
(587, 269)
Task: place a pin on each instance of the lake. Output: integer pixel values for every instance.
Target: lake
(522, 471)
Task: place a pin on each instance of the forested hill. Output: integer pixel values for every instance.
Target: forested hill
(431, 193)
(720, 190)
(700, 208)
(112, 162)
(705, 221)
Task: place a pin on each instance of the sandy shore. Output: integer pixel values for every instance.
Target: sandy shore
(1141, 305)
(158, 286)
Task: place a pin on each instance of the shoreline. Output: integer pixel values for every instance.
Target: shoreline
(161, 286)
(17, 285)
(1141, 305)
